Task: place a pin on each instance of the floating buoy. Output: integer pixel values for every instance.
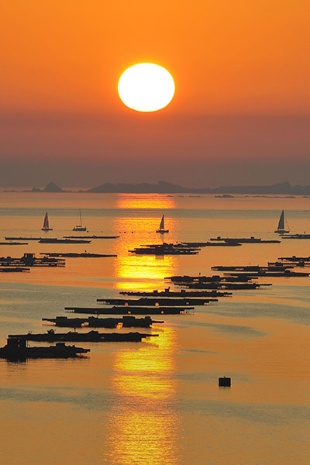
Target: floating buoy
(224, 382)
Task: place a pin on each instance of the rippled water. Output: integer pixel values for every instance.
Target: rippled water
(158, 402)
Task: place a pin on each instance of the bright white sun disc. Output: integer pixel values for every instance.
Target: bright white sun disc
(146, 87)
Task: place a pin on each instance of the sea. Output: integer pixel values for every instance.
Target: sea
(157, 402)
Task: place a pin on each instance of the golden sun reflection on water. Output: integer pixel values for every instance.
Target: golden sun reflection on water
(154, 201)
(144, 423)
(142, 271)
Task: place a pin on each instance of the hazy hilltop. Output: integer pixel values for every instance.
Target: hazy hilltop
(164, 187)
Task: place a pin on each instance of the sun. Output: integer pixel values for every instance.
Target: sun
(146, 87)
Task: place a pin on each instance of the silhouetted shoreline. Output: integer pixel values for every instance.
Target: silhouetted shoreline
(163, 187)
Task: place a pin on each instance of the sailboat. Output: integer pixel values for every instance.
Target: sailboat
(80, 227)
(162, 229)
(46, 224)
(281, 225)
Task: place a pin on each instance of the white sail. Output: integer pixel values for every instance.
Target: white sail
(162, 226)
(281, 224)
(46, 225)
(80, 226)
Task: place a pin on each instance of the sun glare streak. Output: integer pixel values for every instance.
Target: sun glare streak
(144, 423)
(139, 228)
(155, 201)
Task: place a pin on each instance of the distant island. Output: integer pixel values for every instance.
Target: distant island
(163, 187)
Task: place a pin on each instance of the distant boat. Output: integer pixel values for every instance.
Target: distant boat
(46, 224)
(281, 225)
(80, 226)
(162, 229)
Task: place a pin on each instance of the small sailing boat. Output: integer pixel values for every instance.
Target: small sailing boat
(281, 225)
(46, 224)
(80, 226)
(162, 229)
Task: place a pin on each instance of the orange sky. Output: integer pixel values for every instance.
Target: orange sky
(60, 63)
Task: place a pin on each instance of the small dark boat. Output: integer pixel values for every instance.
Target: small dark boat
(16, 349)
(282, 228)
(80, 226)
(162, 229)
(46, 224)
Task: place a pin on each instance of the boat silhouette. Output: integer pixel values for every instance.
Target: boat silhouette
(46, 224)
(80, 226)
(281, 229)
(162, 229)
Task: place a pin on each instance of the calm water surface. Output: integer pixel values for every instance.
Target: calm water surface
(158, 402)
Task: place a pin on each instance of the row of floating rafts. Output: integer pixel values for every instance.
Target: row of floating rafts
(165, 249)
(237, 277)
(54, 259)
(27, 261)
(17, 348)
(193, 248)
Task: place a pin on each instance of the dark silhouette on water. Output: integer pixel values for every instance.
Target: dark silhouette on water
(73, 336)
(127, 321)
(16, 349)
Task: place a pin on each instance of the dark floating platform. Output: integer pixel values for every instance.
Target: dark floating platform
(226, 285)
(127, 321)
(181, 293)
(91, 336)
(185, 279)
(16, 349)
(47, 240)
(165, 249)
(296, 236)
(287, 273)
(13, 269)
(223, 244)
(159, 302)
(91, 237)
(13, 243)
(130, 311)
(77, 255)
(251, 268)
(225, 382)
(29, 259)
(295, 261)
(246, 240)
(20, 238)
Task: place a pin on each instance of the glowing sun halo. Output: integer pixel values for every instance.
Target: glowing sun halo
(146, 87)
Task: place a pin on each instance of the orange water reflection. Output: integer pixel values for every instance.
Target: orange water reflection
(145, 424)
(145, 201)
(142, 271)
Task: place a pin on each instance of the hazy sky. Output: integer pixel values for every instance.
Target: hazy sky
(240, 114)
